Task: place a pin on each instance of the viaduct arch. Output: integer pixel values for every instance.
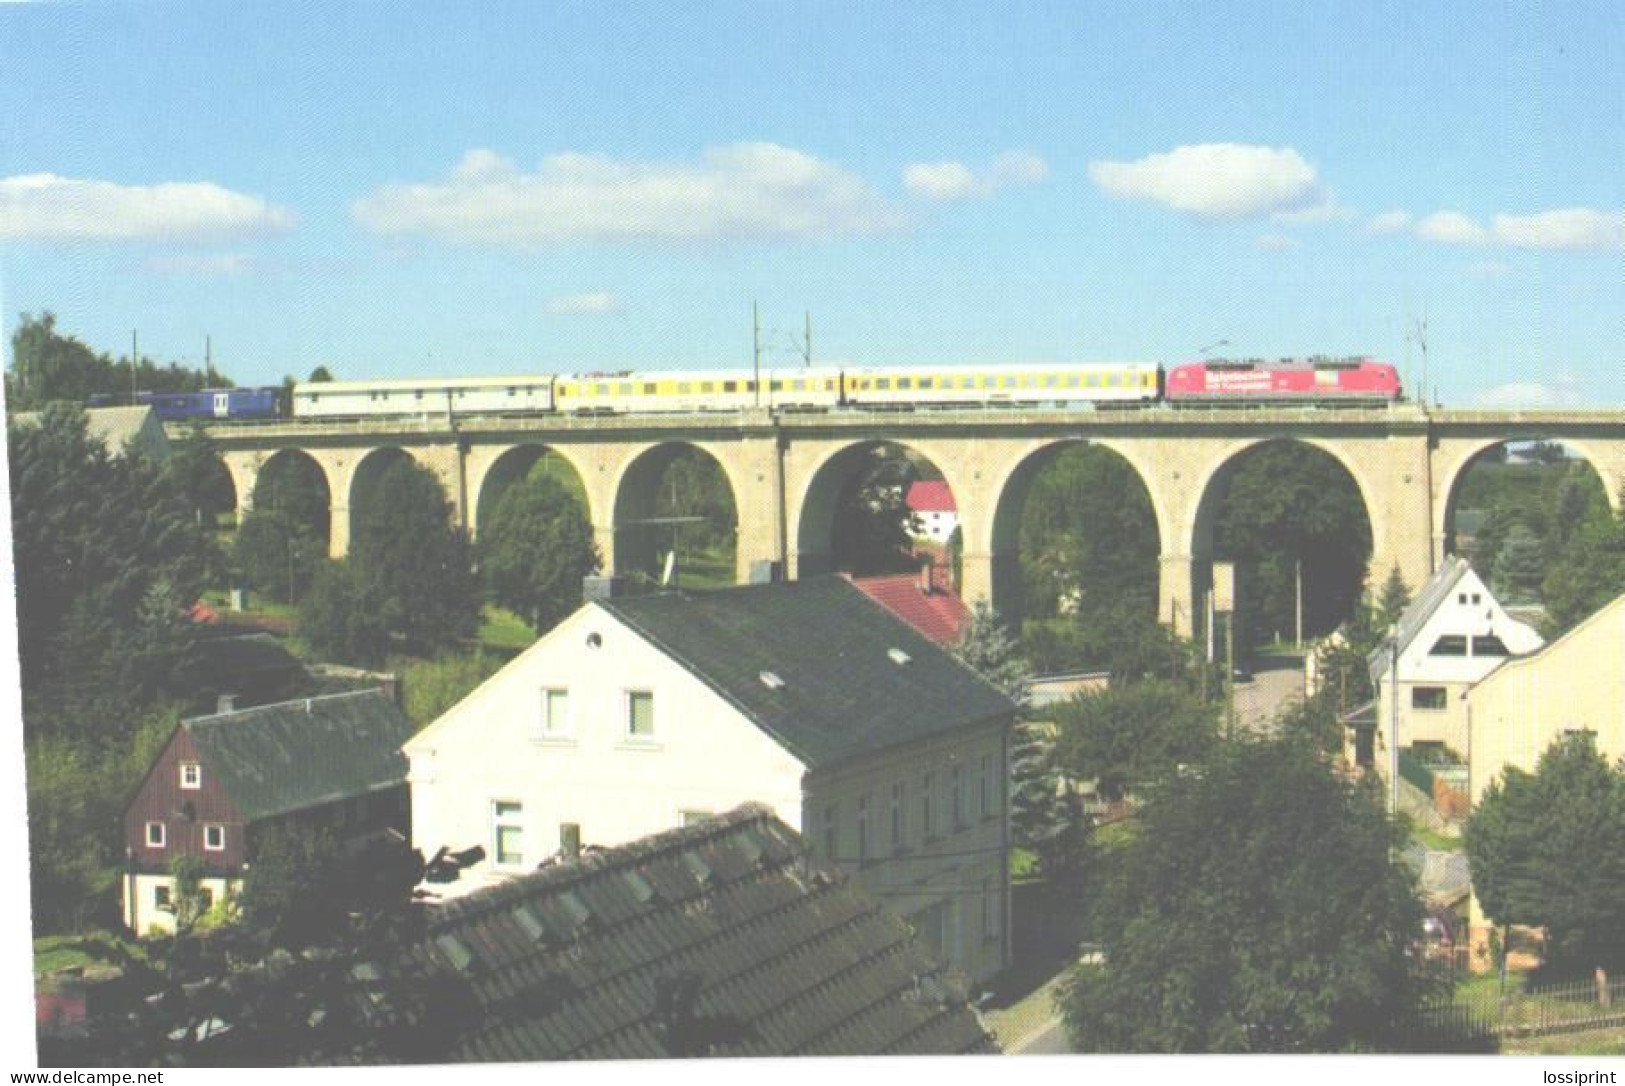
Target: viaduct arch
(785, 469)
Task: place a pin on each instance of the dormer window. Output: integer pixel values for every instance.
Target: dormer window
(191, 775)
(1450, 645)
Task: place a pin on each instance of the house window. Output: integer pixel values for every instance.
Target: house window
(832, 830)
(1450, 645)
(928, 825)
(155, 835)
(214, 837)
(1427, 697)
(863, 829)
(898, 827)
(984, 787)
(161, 900)
(555, 712)
(1489, 645)
(191, 775)
(957, 795)
(508, 832)
(640, 714)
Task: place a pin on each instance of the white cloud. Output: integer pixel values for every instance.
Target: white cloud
(744, 191)
(596, 302)
(1563, 392)
(957, 181)
(1571, 228)
(1389, 222)
(46, 207)
(942, 180)
(1451, 228)
(217, 265)
(1566, 228)
(1276, 242)
(1218, 181)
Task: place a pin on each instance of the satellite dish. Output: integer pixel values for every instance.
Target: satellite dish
(669, 575)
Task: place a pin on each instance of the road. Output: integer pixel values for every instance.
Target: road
(1277, 682)
(1049, 1041)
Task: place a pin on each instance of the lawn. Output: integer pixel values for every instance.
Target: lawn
(502, 630)
(54, 953)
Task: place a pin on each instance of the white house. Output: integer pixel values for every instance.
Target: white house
(933, 503)
(639, 714)
(1452, 635)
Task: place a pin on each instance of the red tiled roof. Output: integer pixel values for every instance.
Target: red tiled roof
(940, 616)
(931, 496)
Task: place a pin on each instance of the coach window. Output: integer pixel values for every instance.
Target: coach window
(883, 383)
(648, 388)
(730, 386)
(775, 386)
(684, 388)
(708, 386)
(624, 388)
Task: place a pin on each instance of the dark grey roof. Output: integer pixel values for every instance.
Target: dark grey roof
(225, 658)
(1432, 594)
(781, 955)
(837, 652)
(297, 754)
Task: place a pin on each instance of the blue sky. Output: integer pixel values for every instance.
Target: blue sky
(410, 189)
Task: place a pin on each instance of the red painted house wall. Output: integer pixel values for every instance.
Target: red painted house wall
(184, 812)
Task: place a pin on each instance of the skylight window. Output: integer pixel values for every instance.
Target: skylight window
(771, 680)
(899, 657)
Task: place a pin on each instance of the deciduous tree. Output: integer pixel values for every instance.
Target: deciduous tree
(413, 561)
(535, 550)
(1128, 736)
(1548, 850)
(1258, 908)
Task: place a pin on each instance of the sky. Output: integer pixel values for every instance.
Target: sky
(404, 190)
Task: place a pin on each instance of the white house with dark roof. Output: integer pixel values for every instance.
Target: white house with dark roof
(639, 714)
(1453, 634)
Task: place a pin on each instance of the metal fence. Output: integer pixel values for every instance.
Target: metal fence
(1480, 1013)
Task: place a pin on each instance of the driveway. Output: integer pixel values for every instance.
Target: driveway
(1277, 682)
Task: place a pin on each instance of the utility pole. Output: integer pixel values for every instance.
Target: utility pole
(756, 351)
(1297, 571)
(1393, 721)
(806, 344)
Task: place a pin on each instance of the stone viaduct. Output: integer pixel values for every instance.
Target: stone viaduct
(787, 470)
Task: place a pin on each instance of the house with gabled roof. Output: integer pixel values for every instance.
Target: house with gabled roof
(638, 714)
(721, 938)
(331, 762)
(119, 429)
(1451, 635)
(932, 503)
(922, 600)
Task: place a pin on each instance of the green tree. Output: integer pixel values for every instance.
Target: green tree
(320, 375)
(1258, 908)
(1284, 506)
(413, 562)
(1547, 849)
(200, 475)
(342, 618)
(433, 686)
(287, 896)
(283, 538)
(1518, 565)
(1396, 596)
(535, 550)
(874, 528)
(186, 894)
(1038, 811)
(1088, 538)
(1128, 736)
(1588, 570)
(49, 367)
(108, 555)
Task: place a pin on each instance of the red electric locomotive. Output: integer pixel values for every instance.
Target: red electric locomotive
(1317, 380)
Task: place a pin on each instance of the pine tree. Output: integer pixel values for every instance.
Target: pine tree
(1396, 596)
(1038, 811)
